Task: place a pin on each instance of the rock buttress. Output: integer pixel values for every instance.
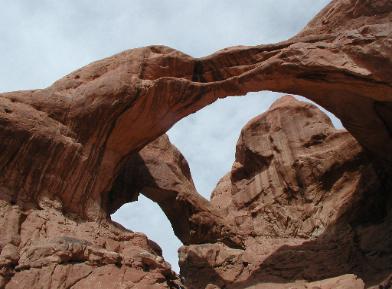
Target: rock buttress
(307, 201)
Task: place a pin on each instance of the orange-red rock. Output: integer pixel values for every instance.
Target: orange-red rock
(50, 249)
(161, 173)
(78, 131)
(303, 205)
(308, 202)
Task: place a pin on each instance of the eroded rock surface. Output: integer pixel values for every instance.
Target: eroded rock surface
(161, 173)
(294, 204)
(308, 202)
(48, 249)
(70, 140)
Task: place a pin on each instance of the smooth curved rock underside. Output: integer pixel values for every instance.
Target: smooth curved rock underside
(304, 206)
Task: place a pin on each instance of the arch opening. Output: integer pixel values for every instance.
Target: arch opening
(147, 217)
(210, 148)
(208, 141)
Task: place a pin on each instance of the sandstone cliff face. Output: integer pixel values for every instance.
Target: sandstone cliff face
(307, 201)
(303, 201)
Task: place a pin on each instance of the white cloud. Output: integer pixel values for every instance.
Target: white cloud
(43, 40)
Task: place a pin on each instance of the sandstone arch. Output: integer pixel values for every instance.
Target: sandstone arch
(101, 113)
(64, 146)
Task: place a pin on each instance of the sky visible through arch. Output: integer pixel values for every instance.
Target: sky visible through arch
(43, 40)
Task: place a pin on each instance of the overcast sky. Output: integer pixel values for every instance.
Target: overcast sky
(42, 40)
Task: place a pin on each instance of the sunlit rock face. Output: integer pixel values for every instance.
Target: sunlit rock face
(47, 248)
(307, 201)
(302, 202)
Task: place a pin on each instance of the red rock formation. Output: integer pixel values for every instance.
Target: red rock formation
(49, 249)
(70, 150)
(162, 174)
(307, 201)
(87, 123)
